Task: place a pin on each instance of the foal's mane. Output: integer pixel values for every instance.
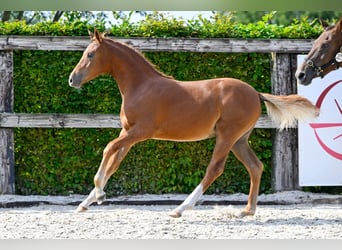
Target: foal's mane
(137, 52)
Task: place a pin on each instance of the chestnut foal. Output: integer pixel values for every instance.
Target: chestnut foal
(156, 106)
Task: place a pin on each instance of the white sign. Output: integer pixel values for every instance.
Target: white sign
(320, 140)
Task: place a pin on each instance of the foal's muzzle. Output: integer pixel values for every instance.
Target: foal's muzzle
(75, 81)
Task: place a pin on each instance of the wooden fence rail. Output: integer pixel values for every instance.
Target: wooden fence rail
(17, 120)
(225, 45)
(284, 51)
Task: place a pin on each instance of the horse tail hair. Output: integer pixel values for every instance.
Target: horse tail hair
(285, 111)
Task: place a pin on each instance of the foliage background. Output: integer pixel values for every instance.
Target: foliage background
(63, 161)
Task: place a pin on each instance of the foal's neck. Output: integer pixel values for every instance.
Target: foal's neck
(129, 67)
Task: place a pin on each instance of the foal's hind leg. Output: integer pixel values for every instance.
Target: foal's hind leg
(113, 154)
(254, 166)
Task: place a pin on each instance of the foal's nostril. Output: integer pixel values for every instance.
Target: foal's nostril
(301, 75)
(71, 82)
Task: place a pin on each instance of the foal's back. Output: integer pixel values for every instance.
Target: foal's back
(203, 105)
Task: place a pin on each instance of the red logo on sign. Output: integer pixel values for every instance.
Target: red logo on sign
(317, 126)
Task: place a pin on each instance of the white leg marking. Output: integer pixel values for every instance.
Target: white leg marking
(189, 202)
(85, 204)
(100, 195)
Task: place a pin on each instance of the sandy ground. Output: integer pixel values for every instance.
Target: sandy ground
(285, 215)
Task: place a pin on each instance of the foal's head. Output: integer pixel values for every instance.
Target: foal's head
(324, 55)
(91, 64)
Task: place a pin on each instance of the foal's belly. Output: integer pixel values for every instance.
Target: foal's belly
(185, 138)
(185, 131)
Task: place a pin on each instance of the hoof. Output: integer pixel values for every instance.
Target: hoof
(81, 209)
(245, 213)
(175, 214)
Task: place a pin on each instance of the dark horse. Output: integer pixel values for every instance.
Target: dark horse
(324, 56)
(156, 106)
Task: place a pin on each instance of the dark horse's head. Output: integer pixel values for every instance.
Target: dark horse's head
(325, 54)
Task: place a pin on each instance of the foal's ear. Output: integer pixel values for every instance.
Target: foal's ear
(339, 25)
(323, 23)
(97, 35)
(91, 34)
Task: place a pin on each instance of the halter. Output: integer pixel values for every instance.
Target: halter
(332, 62)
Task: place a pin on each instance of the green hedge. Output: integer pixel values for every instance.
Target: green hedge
(157, 25)
(62, 161)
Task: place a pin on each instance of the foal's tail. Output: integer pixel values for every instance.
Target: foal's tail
(285, 111)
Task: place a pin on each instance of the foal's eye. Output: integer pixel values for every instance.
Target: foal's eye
(324, 46)
(90, 55)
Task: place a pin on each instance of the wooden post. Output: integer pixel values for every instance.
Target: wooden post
(6, 134)
(285, 143)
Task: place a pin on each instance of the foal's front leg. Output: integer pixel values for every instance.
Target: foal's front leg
(86, 203)
(113, 154)
(214, 170)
